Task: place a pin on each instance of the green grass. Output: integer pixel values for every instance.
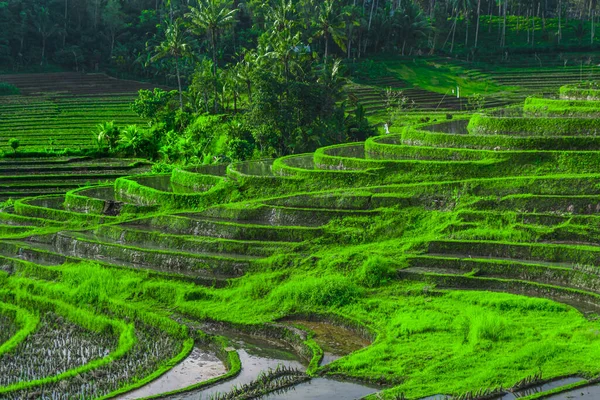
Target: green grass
(424, 242)
(444, 78)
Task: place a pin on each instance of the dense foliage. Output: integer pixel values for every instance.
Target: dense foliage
(92, 34)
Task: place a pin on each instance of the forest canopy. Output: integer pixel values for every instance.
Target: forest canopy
(249, 79)
(92, 34)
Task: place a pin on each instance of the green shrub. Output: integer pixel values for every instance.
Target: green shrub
(486, 327)
(330, 291)
(375, 271)
(580, 91)
(488, 125)
(14, 144)
(6, 89)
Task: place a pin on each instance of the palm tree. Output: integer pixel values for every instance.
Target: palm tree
(330, 24)
(131, 139)
(283, 16)
(176, 45)
(352, 16)
(107, 132)
(477, 28)
(211, 16)
(244, 72)
(45, 26)
(410, 23)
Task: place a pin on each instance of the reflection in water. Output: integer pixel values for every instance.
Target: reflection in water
(458, 127)
(322, 389)
(256, 168)
(259, 356)
(587, 393)
(336, 341)
(542, 388)
(351, 151)
(163, 183)
(199, 366)
(256, 356)
(304, 161)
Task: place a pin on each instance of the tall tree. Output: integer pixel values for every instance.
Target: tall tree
(45, 26)
(212, 16)
(410, 23)
(176, 44)
(330, 24)
(114, 21)
(477, 27)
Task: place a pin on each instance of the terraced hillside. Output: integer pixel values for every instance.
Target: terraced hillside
(458, 259)
(61, 110)
(430, 84)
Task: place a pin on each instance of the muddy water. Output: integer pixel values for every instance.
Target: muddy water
(335, 341)
(164, 184)
(256, 168)
(587, 393)
(543, 388)
(458, 127)
(537, 389)
(322, 389)
(256, 356)
(199, 366)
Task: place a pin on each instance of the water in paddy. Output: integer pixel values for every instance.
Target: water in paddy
(199, 366)
(259, 355)
(455, 127)
(517, 394)
(210, 169)
(304, 161)
(102, 193)
(336, 341)
(322, 389)
(587, 393)
(256, 356)
(164, 184)
(352, 151)
(7, 328)
(541, 388)
(256, 168)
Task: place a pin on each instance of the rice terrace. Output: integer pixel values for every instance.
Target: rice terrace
(292, 199)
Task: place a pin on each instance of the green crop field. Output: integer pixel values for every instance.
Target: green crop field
(53, 112)
(299, 200)
(450, 258)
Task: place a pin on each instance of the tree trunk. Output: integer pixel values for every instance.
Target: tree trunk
(453, 32)
(559, 20)
(466, 29)
(592, 28)
(326, 45)
(43, 49)
(477, 28)
(371, 15)
(249, 85)
(213, 39)
(179, 83)
(65, 26)
(349, 45)
(503, 42)
(532, 29)
(112, 44)
(96, 14)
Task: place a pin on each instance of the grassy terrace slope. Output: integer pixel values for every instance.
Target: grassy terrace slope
(61, 110)
(429, 84)
(464, 256)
